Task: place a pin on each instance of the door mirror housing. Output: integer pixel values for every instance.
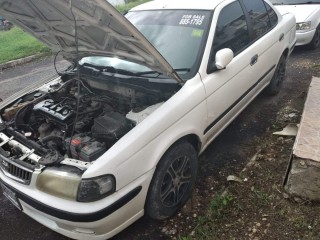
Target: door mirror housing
(223, 58)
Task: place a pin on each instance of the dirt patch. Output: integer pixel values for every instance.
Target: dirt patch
(258, 208)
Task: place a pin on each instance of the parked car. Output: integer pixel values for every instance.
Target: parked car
(118, 134)
(307, 15)
(5, 24)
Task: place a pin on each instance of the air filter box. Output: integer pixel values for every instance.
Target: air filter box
(111, 127)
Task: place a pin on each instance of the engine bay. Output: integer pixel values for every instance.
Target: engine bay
(75, 119)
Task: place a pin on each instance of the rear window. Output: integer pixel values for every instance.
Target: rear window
(272, 15)
(259, 17)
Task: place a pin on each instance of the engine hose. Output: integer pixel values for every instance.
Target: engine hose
(51, 138)
(27, 142)
(90, 111)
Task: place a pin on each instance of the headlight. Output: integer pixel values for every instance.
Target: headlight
(96, 188)
(66, 182)
(303, 26)
(62, 183)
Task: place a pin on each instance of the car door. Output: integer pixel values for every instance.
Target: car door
(231, 89)
(266, 39)
(225, 87)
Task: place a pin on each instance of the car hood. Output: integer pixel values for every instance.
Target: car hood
(100, 28)
(301, 12)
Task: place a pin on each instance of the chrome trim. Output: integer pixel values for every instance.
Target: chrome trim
(15, 164)
(14, 177)
(20, 170)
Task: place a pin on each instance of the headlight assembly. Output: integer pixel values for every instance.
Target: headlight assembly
(60, 183)
(66, 183)
(96, 188)
(303, 26)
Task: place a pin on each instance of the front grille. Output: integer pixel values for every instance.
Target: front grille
(16, 172)
(19, 173)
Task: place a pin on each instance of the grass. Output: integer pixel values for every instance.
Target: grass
(218, 204)
(205, 228)
(260, 197)
(317, 68)
(126, 7)
(17, 44)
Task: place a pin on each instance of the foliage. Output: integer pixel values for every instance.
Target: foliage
(205, 229)
(131, 4)
(17, 44)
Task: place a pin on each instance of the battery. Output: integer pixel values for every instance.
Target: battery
(92, 150)
(85, 148)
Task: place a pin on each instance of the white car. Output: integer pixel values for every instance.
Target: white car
(118, 133)
(307, 15)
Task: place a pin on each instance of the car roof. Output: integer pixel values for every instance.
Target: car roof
(178, 4)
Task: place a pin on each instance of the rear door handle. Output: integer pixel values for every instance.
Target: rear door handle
(254, 60)
(281, 37)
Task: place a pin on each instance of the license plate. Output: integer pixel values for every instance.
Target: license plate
(11, 196)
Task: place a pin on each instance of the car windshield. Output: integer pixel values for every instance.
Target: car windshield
(293, 2)
(179, 35)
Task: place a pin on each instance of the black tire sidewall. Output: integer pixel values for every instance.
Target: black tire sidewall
(314, 44)
(154, 207)
(274, 87)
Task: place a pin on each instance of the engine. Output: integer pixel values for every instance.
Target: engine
(96, 129)
(69, 122)
(75, 120)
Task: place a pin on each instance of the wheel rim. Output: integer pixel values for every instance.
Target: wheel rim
(176, 181)
(281, 73)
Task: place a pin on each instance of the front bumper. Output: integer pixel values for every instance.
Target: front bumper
(304, 38)
(101, 224)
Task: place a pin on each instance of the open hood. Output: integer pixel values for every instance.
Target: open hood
(101, 30)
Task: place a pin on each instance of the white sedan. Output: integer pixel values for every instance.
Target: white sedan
(118, 133)
(307, 15)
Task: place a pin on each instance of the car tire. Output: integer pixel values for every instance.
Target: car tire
(173, 180)
(276, 82)
(314, 44)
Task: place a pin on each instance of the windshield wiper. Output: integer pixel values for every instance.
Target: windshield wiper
(113, 70)
(108, 69)
(301, 3)
(160, 73)
(309, 2)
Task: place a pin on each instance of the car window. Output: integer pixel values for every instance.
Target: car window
(272, 15)
(231, 31)
(259, 17)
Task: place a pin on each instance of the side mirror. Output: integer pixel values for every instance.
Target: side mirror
(223, 58)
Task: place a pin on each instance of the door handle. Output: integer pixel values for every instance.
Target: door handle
(254, 60)
(281, 37)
